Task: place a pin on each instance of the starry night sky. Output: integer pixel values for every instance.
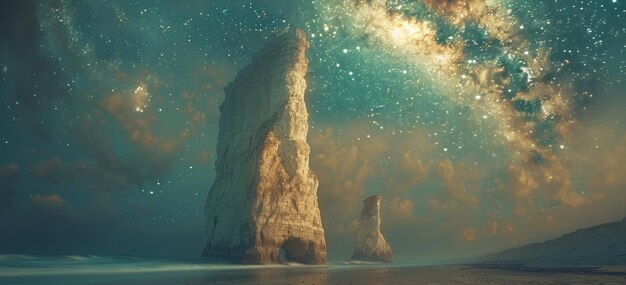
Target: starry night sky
(483, 125)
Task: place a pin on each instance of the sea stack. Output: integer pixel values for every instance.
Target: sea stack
(370, 242)
(264, 197)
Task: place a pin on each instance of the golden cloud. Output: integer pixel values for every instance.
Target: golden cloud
(48, 200)
(469, 234)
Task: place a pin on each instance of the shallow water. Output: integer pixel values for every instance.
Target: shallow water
(90, 269)
(100, 270)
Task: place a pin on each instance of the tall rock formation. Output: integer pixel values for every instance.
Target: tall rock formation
(264, 197)
(370, 242)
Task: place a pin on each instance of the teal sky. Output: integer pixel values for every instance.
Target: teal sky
(483, 126)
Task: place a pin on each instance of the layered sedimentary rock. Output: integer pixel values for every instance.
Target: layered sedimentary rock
(370, 242)
(264, 197)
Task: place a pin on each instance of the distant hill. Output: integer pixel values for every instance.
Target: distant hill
(604, 244)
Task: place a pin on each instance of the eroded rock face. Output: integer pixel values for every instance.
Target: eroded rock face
(264, 197)
(370, 242)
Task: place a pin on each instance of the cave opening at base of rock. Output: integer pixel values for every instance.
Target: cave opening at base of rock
(283, 255)
(293, 250)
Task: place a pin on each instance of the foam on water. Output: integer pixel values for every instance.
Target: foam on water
(29, 265)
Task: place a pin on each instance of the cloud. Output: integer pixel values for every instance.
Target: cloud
(44, 222)
(409, 171)
(343, 170)
(79, 174)
(132, 115)
(53, 200)
(501, 228)
(469, 234)
(134, 122)
(601, 148)
(424, 200)
(99, 147)
(96, 224)
(432, 199)
(460, 184)
(399, 209)
(453, 184)
(8, 178)
(130, 118)
(530, 181)
(545, 205)
(48, 167)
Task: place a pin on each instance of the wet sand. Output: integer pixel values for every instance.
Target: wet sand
(451, 274)
(342, 274)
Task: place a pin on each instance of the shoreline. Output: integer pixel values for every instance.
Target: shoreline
(144, 274)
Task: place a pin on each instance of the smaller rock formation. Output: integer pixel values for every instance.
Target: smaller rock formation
(370, 242)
